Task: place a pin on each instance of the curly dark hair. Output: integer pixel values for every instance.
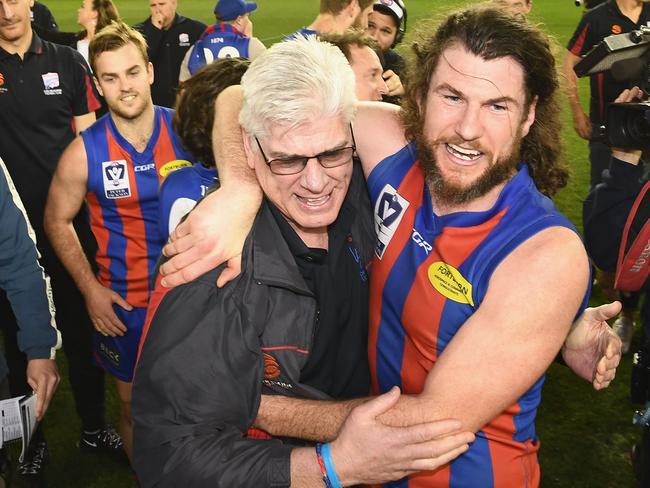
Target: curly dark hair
(195, 104)
(490, 34)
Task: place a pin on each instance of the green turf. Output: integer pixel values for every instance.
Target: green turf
(586, 435)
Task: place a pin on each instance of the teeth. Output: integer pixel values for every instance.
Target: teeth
(462, 153)
(128, 98)
(315, 202)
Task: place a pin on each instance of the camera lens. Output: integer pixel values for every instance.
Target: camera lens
(637, 127)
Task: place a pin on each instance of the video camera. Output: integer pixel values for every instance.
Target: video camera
(627, 57)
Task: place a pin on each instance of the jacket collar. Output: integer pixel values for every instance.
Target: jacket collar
(272, 260)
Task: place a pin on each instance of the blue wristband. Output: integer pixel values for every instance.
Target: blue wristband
(329, 466)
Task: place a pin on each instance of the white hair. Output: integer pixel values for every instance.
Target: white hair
(296, 82)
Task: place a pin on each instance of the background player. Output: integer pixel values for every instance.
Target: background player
(230, 37)
(192, 122)
(336, 16)
(116, 165)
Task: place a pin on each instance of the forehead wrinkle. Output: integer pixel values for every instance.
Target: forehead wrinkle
(468, 75)
(284, 133)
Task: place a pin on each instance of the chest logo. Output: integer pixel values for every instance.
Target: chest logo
(183, 39)
(616, 29)
(50, 80)
(173, 166)
(271, 367)
(389, 210)
(51, 84)
(448, 281)
(116, 179)
(2, 79)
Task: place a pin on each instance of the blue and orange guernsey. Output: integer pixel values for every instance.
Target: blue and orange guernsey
(430, 274)
(123, 202)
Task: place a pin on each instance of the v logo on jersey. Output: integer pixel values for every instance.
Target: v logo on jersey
(389, 210)
(116, 179)
(115, 173)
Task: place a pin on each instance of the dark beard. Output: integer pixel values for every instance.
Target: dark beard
(448, 194)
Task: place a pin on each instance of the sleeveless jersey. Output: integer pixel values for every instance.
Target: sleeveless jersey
(123, 202)
(217, 41)
(429, 275)
(302, 32)
(179, 193)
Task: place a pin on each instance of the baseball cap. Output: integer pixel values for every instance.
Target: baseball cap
(231, 9)
(391, 7)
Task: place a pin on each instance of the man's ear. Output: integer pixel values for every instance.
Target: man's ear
(352, 9)
(529, 118)
(150, 72)
(99, 88)
(250, 153)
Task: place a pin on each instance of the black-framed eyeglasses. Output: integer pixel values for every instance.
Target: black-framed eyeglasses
(294, 165)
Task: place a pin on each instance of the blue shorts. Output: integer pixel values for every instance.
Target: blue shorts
(117, 354)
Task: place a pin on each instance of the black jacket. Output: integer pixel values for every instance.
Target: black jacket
(606, 209)
(167, 49)
(203, 367)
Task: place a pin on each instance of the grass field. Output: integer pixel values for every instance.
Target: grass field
(586, 436)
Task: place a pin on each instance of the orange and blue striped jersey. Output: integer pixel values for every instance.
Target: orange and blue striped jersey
(429, 275)
(123, 202)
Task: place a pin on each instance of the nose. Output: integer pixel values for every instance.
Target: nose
(125, 84)
(7, 11)
(470, 126)
(382, 87)
(313, 177)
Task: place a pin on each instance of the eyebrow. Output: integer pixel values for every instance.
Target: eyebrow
(282, 155)
(490, 101)
(115, 74)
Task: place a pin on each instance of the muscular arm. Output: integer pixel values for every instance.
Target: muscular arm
(313, 420)
(530, 304)
(66, 195)
(581, 122)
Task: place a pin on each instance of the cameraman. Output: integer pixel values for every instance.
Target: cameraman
(606, 211)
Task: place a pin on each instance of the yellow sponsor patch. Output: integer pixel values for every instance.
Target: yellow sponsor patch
(173, 166)
(450, 283)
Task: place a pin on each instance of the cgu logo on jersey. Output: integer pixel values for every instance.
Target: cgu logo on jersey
(116, 179)
(144, 167)
(420, 241)
(450, 283)
(183, 39)
(389, 210)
